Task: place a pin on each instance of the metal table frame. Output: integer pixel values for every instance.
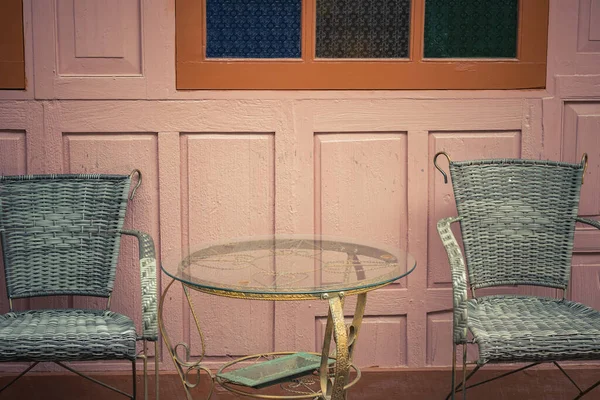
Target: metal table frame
(332, 386)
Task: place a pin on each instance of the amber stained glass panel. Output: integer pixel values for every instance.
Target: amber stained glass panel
(253, 28)
(363, 29)
(471, 28)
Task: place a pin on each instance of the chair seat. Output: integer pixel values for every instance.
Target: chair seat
(529, 329)
(66, 335)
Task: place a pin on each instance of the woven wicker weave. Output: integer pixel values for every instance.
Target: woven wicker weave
(527, 329)
(60, 235)
(65, 335)
(517, 220)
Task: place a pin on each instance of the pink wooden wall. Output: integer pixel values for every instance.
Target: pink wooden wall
(101, 98)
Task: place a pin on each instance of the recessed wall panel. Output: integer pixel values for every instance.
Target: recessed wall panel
(585, 282)
(361, 186)
(594, 20)
(99, 37)
(382, 340)
(439, 341)
(588, 38)
(439, 338)
(13, 156)
(228, 191)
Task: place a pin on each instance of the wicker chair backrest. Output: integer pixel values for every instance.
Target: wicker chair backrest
(60, 233)
(517, 220)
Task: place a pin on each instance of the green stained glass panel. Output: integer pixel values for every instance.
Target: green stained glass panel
(471, 28)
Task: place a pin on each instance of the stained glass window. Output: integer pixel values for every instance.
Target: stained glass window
(471, 28)
(361, 44)
(363, 29)
(253, 28)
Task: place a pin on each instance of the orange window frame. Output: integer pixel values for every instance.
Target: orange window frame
(12, 53)
(526, 71)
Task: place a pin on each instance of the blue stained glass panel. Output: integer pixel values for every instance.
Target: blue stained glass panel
(253, 28)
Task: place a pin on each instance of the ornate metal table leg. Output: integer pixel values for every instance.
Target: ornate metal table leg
(184, 368)
(345, 340)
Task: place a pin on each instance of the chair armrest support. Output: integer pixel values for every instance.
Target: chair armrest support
(592, 222)
(459, 280)
(148, 278)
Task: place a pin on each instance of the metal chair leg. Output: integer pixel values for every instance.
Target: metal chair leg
(568, 376)
(586, 391)
(133, 382)
(19, 376)
(581, 391)
(459, 387)
(462, 386)
(89, 378)
(452, 390)
(464, 366)
(156, 357)
(145, 357)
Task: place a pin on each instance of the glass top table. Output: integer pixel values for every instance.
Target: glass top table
(294, 266)
(285, 267)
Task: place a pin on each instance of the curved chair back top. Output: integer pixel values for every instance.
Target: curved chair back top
(60, 233)
(517, 220)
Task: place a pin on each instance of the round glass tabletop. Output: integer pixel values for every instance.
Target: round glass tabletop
(288, 265)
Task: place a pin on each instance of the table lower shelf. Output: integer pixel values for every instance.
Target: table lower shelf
(279, 375)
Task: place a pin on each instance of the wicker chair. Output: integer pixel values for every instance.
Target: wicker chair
(60, 235)
(517, 221)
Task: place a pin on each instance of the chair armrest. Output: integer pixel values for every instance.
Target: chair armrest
(459, 280)
(592, 222)
(148, 278)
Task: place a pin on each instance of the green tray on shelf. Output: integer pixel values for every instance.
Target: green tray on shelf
(270, 372)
